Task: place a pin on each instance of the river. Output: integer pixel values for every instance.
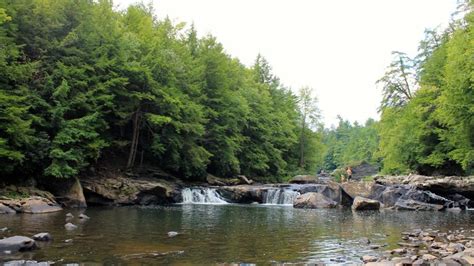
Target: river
(222, 233)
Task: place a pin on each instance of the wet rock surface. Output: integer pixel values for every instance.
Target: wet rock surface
(35, 204)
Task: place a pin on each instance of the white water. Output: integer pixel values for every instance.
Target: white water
(201, 196)
(277, 196)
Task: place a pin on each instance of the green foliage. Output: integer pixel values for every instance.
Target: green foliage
(80, 81)
(433, 132)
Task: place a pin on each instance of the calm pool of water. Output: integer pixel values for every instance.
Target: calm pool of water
(212, 234)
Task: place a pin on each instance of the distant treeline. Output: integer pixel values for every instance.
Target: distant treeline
(82, 83)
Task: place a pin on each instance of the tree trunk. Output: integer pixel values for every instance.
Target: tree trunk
(135, 137)
(302, 142)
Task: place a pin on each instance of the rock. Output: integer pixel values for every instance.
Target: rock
(449, 185)
(361, 204)
(4, 229)
(38, 205)
(399, 251)
(69, 215)
(243, 193)
(70, 226)
(450, 262)
(83, 217)
(68, 241)
(329, 189)
(428, 257)
(419, 262)
(467, 260)
(245, 179)
(413, 205)
(368, 258)
(43, 237)
(409, 245)
(313, 200)
(217, 181)
(365, 240)
(427, 238)
(457, 247)
(6, 210)
(121, 190)
(369, 190)
(17, 243)
(304, 179)
(68, 191)
(455, 209)
(172, 234)
(438, 245)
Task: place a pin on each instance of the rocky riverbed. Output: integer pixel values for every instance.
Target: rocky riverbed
(429, 247)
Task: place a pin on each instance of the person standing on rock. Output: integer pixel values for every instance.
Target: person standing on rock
(349, 173)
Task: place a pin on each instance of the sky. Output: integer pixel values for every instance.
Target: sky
(339, 48)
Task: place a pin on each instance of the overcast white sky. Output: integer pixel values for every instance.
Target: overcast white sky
(340, 48)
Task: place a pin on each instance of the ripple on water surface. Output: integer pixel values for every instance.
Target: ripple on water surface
(211, 234)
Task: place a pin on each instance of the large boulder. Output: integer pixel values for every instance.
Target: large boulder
(33, 204)
(17, 243)
(68, 192)
(362, 204)
(363, 189)
(329, 189)
(313, 200)
(463, 185)
(120, 190)
(5, 209)
(243, 193)
(413, 205)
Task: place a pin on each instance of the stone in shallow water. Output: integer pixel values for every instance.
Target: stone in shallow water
(27, 263)
(172, 233)
(368, 258)
(43, 237)
(313, 200)
(83, 216)
(70, 226)
(17, 243)
(362, 204)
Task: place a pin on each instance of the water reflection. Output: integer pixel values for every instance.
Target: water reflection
(210, 234)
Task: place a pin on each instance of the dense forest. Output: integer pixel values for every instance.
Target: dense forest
(82, 83)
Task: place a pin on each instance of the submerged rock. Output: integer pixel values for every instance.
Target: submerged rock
(17, 243)
(313, 200)
(362, 204)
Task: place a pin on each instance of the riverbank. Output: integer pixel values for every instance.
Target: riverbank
(414, 192)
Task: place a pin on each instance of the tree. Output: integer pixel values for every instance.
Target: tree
(310, 115)
(398, 83)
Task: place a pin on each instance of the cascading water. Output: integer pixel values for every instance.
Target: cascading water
(280, 196)
(201, 196)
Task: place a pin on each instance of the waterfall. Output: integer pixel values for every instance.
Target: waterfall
(201, 196)
(280, 196)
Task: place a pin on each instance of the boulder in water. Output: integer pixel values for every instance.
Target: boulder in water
(82, 216)
(362, 204)
(313, 200)
(43, 237)
(70, 226)
(5, 209)
(17, 243)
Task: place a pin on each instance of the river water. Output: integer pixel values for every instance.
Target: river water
(225, 233)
